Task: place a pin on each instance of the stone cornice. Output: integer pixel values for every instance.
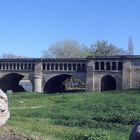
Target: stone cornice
(119, 57)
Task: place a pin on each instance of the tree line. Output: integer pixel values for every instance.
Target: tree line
(74, 49)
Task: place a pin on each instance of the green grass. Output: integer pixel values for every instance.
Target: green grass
(74, 116)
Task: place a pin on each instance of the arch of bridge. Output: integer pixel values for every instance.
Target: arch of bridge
(10, 81)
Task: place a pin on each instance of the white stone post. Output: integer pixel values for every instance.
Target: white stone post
(37, 83)
(38, 77)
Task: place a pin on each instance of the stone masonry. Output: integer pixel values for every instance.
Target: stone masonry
(47, 74)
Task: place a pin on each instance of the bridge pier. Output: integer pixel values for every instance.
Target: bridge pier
(127, 74)
(37, 77)
(90, 76)
(37, 87)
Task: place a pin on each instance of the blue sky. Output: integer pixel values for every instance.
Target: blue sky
(27, 27)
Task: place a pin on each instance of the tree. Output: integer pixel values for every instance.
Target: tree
(130, 46)
(103, 48)
(66, 49)
(10, 55)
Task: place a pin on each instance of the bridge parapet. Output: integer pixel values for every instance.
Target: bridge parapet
(47, 64)
(64, 66)
(14, 66)
(108, 65)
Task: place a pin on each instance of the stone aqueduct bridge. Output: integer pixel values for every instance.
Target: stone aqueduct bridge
(48, 74)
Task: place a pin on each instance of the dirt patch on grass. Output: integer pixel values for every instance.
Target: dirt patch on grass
(12, 136)
(32, 107)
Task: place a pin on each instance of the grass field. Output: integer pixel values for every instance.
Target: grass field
(74, 116)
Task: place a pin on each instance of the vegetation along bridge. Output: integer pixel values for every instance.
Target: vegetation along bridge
(54, 74)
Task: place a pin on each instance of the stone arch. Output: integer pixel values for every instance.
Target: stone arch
(43, 66)
(96, 65)
(120, 65)
(48, 66)
(10, 66)
(11, 81)
(78, 66)
(65, 66)
(114, 66)
(52, 66)
(55, 84)
(25, 66)
(56, 66)
(107, 65)
(61, 66)
(83, 67)
(14, 66)
(108, 83)
(102, 65)
(74, 66)
(69, 66)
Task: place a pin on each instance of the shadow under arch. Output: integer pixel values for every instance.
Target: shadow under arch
(108, 83)
(56, 83)
(11, 82)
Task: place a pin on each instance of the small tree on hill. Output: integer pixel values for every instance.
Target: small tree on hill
(130, 46)
(103, 48)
